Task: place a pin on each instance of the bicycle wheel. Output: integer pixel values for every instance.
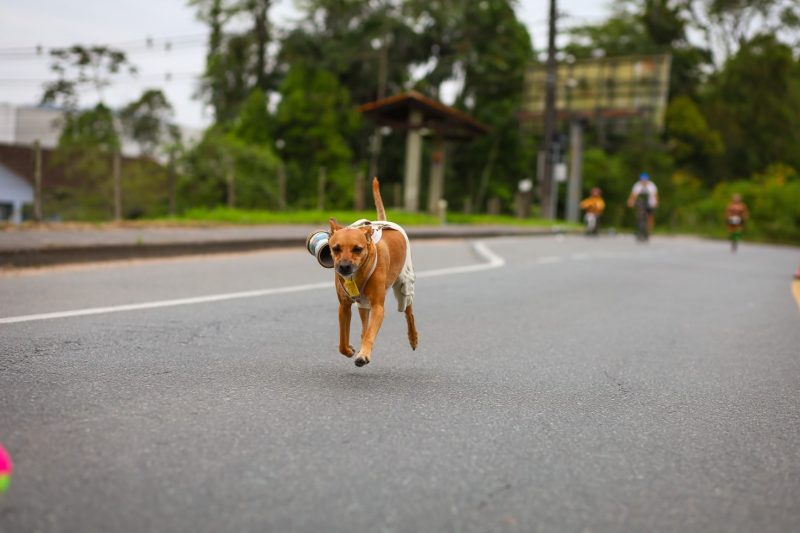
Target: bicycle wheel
(641, 222)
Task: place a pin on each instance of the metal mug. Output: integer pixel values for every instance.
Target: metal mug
(317, 245)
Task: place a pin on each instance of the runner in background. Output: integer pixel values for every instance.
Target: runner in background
(736, 214)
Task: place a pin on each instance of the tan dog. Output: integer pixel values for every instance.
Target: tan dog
(364, 270)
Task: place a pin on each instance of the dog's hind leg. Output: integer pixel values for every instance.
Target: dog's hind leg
(413, 337)
(345, 312)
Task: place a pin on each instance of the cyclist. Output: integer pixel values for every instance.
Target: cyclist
(644, 196)
(594, 207)
(736, 214)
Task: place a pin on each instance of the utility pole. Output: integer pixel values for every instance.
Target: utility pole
(37, 180)
(548, 211)
(117, 172)
(281, 186)
(383, 74)
(171, 183)
(230, 182)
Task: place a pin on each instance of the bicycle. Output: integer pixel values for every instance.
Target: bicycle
(591, 223)
(642, 233)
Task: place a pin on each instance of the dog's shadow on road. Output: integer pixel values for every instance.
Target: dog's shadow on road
(382, 380)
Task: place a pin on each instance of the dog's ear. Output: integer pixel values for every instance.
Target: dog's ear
(334, 225)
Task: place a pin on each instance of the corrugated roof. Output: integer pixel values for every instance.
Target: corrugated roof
(19, 159)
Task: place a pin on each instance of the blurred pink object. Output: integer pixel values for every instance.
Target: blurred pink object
(6, 466)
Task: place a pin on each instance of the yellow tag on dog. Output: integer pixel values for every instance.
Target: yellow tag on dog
(351, 288)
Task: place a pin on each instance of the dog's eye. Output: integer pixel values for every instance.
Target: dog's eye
(357, 249)
(337, 249)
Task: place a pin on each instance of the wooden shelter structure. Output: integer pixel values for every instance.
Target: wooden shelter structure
(419, 115)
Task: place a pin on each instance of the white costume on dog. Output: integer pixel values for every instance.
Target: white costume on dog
(403, 287)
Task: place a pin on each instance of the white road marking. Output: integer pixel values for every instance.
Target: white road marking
(164, 303)
(493, 261)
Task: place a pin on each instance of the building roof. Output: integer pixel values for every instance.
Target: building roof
(446, 121)
(19, 158)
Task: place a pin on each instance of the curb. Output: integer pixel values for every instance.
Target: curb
(63, 255)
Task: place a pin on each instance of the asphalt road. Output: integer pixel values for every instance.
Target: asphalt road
(561, 384)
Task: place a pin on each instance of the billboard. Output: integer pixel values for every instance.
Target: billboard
(605, 88)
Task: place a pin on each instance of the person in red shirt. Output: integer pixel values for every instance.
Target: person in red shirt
(736, 214)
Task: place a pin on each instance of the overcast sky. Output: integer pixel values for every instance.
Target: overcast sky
(126, 24)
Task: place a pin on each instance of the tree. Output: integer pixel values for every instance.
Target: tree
(86, 145)
(148, 121)
(314, 119)
(647, 27)
(754, 101)
(78, 67)
(692, 142)
(485, 49)
(236, 61)
(729, 24)
(219, 157)
(254, 122)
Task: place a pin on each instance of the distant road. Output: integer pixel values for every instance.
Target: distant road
(561, 384)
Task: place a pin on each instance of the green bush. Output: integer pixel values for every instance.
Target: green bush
(773, 198)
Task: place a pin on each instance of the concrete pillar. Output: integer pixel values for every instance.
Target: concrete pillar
(413, 160)
(436, 185)
(575, 171)
(16, 213)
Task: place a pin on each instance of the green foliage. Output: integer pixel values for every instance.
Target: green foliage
(147, 120)
(241, 216)
(221, 155)
(254, 123)
(609, 173)
(78, 67)
(493, 49)
(346, 38)
(773, 198)
(755, 103)
(93, 129)
(144, 189)
(313, 121)
(236, 60)
(690, 139)
(86, 145)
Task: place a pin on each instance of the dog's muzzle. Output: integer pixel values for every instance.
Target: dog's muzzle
(317, 245)
(345, 269)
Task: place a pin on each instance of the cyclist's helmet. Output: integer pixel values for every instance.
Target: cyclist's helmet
(644, 176)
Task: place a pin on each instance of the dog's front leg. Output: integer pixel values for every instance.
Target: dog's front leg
(345, 312)
(364, 314)
(373, 326)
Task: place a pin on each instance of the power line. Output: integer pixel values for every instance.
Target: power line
(164, 44)
(166, 78)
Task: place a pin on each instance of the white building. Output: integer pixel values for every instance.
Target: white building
(20, 127)
(15, 192)
(25, 124)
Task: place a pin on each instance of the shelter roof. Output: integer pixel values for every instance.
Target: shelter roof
(444, 120)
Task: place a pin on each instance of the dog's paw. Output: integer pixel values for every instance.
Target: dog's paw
(413, 340)
(361, 360)
(347, 352)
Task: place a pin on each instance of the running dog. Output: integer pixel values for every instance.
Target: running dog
(368, 258)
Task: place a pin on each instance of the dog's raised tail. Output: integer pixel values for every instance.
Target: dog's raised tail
(376, 194)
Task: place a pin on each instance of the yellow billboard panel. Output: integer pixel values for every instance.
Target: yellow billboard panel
(609, 88)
